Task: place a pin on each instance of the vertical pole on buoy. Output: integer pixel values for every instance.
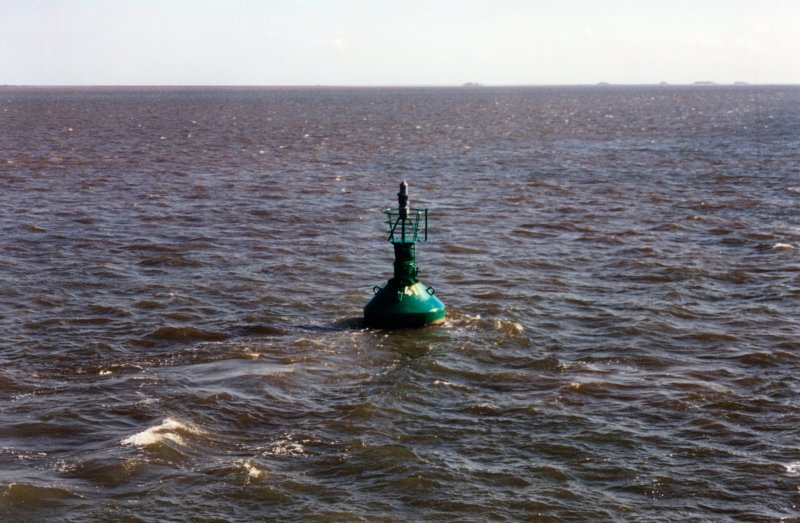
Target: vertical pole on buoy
(404, 301)
(402, 205)
(405, 264)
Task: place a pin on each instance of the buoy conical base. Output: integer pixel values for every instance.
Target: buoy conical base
(399, 306)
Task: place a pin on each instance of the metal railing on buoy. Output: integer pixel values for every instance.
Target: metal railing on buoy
(404, 301)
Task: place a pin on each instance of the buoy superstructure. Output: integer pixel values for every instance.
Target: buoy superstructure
(404, 301)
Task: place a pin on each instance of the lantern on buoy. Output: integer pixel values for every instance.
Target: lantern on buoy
(404, 301)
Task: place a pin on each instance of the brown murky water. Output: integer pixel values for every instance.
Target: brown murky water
(182, 273)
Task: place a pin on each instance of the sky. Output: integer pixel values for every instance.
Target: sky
(398, 42)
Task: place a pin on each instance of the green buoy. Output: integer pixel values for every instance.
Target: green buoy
(404, 301)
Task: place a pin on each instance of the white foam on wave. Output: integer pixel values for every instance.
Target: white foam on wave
(783, 246)
(508, 325)
(168, 430)
(793, 467)
(254, 472)
(286, 447)
(444, 383)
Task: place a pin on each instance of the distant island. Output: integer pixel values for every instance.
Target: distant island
(472, 84)
(715, 83)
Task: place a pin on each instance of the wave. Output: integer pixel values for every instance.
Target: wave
(30, 496)
(186, 334)
(168, 430)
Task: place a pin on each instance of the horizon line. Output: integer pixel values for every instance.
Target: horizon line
(466, 85)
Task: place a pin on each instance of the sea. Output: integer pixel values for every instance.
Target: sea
(183, 273)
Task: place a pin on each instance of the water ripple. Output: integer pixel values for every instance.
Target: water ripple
(183, 272)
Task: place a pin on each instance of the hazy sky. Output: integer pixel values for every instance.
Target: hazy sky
(397, 42)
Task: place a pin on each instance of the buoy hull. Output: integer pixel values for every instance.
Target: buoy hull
(396, 307)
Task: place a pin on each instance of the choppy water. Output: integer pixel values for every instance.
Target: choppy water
(182, 274)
